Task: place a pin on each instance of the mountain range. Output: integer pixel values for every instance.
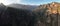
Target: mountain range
(30, 7)
(53, 7)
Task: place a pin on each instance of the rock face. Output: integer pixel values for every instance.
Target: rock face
(50, 13)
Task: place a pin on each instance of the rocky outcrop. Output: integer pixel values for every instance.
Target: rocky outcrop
(48, 13)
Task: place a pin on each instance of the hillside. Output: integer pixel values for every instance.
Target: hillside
(50, 8)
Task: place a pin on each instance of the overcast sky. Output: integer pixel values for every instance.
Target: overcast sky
(28, 2)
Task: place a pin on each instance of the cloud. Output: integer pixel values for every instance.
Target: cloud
(6, 2)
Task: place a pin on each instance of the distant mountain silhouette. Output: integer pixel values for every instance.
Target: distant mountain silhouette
(30, 7)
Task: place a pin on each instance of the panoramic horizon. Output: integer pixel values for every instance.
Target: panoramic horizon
(27, 2)
(29, 12)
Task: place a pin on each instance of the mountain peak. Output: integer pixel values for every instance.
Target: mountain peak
(55, 3)
(1, 4)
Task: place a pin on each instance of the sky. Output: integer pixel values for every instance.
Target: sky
(28, 2)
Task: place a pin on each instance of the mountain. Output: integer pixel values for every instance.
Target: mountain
(51, 7)
(2, 8)
(47, 9)
(30, 7)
